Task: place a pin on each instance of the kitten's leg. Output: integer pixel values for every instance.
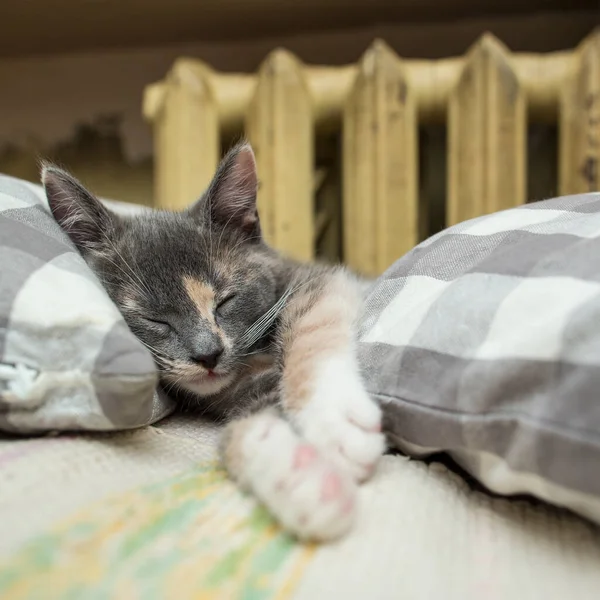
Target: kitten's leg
(322, 390)
(304, 491)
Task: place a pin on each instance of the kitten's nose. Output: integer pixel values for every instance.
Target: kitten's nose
(210, 359)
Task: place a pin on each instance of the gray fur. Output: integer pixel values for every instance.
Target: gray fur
(142, 260)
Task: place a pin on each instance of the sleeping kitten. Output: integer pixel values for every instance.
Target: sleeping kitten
(247, 336)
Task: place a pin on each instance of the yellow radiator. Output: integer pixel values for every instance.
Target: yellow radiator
(486, 99)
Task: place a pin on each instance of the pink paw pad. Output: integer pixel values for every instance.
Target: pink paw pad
(332, 487)
(305, 455)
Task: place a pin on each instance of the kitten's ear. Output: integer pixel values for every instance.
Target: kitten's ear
(230, 199)
(77, 211)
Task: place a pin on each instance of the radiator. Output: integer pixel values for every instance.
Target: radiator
(364, 208)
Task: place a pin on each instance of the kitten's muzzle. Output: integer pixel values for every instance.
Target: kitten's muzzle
(207, 350)
(208, 361)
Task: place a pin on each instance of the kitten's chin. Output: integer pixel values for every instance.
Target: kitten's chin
(207, 386)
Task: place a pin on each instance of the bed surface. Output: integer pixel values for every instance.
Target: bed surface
(145, 513)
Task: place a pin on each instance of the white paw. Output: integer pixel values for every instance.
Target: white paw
(343, 421)
(305, 492)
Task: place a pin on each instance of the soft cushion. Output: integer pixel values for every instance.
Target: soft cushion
(148, 515)
(484, 342)
(67, 358)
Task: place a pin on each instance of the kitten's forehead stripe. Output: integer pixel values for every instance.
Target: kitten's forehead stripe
(202, 295)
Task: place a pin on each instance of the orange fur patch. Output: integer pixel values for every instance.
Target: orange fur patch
(324, 330)
(202, 295)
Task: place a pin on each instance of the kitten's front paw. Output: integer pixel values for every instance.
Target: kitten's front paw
(343, 421)
(304, 491)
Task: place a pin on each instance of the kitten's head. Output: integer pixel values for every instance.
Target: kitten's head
(189, 284)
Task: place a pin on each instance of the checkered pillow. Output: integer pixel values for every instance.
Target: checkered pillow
(484, 342)
(67, 358)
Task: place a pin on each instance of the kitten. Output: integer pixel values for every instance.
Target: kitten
(250, 337)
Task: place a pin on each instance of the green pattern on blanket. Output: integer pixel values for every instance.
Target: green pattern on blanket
(190, 536)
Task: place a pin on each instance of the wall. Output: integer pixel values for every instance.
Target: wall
(84, 109)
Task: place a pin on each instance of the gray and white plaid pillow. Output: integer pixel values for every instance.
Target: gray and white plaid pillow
(484, 342)
(67, 358)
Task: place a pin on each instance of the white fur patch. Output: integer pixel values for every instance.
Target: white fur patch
(303, 490)
(209, 386)
(341, 418)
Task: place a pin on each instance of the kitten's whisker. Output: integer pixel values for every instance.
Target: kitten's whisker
(149, 346)
(139, 279)
(144, 289)
(263, 351)
(175, 382)
(216, 401)
(170, 385)
(255, 331)
(160, 356)
(128, 276)
(259, 328)
(271, 310)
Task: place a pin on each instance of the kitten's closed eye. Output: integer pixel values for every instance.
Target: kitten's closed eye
(224, 302)
(161, 326)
